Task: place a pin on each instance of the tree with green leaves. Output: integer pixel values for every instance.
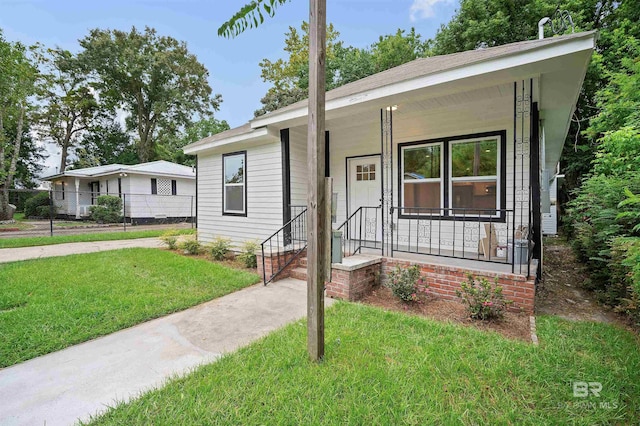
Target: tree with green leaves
(344, 64)
(170, 149)
(290, 76)
(155, 79)
(396, 49)
(70, 105)
(18, 77)
(105, 142)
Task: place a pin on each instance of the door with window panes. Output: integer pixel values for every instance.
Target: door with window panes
(365, 191)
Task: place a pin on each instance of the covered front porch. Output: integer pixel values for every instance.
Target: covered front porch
(444, 164)
(445, 176)
(448, 183)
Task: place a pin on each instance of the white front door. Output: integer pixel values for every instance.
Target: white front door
(365, 191)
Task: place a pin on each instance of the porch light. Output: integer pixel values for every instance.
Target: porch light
(123, 175)
(392, 108)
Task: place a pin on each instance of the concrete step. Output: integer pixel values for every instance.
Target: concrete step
(299, 273)
(302, 262)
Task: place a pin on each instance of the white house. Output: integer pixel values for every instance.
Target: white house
(439, 157)
(159, 190)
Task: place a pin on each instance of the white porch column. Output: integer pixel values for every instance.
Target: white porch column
(77, 181)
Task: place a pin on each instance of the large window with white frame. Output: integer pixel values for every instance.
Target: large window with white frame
(234, 185)
(453, 176)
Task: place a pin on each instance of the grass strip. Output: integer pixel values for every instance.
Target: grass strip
(82, 238)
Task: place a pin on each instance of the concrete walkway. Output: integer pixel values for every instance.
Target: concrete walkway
(25, 253)
(72, 384)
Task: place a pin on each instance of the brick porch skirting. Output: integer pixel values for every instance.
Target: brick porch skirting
(444, 280)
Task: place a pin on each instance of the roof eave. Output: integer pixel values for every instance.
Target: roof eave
(250, 136)
(577, 44)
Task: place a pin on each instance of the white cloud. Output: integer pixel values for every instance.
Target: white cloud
(423, 9)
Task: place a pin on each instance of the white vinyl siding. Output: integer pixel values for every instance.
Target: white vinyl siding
(264, 196)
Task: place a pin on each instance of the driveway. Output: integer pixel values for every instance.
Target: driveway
(72, 384)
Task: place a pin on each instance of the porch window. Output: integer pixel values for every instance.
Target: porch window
(437, 177)
(474, 175)
(234, 183)
(422, 178)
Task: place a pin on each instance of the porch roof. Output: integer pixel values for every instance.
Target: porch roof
(420, 68)
(489, 66)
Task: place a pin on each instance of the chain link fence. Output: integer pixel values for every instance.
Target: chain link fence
(65, 212)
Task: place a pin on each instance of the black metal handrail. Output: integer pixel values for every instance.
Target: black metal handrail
(290, 241)
(361, 230)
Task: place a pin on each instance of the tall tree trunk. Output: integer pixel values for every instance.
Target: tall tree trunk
(63, 158)
(8, 181)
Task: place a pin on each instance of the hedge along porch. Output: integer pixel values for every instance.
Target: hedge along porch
(441, 158)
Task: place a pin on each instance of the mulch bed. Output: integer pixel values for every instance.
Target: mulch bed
(512, 326)
(229, 262)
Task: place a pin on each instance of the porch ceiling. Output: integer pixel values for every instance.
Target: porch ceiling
(415, 114)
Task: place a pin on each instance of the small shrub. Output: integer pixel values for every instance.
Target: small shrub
(248, 254)
(191, 246)
(37, 206)
(107, 209)
(44, 211)
(170, 238)
(219, 248)
(405, 283)
(484, 301)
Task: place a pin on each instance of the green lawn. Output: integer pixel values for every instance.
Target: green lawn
(387, 368)
(98, 236)
(48, 304)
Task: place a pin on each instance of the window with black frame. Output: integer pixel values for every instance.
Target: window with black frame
(474, 176)
(452, 177)
(234, 184)
(422, 190)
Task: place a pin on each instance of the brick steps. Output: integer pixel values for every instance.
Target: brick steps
(302, 262)
(299, 273)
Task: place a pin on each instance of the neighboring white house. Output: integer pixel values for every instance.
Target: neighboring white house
(438, 148)
(159, 190)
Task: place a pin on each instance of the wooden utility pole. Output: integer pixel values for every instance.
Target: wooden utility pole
(316, 201)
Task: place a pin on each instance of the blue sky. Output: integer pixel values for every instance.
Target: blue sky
(232, 63)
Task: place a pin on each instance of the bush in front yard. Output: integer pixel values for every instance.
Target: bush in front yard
(219, 248)
(107, 210)
(405, 283)
(248, 254)
(38, 206)
(170, 238)
(483, 300)
(191, 246)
